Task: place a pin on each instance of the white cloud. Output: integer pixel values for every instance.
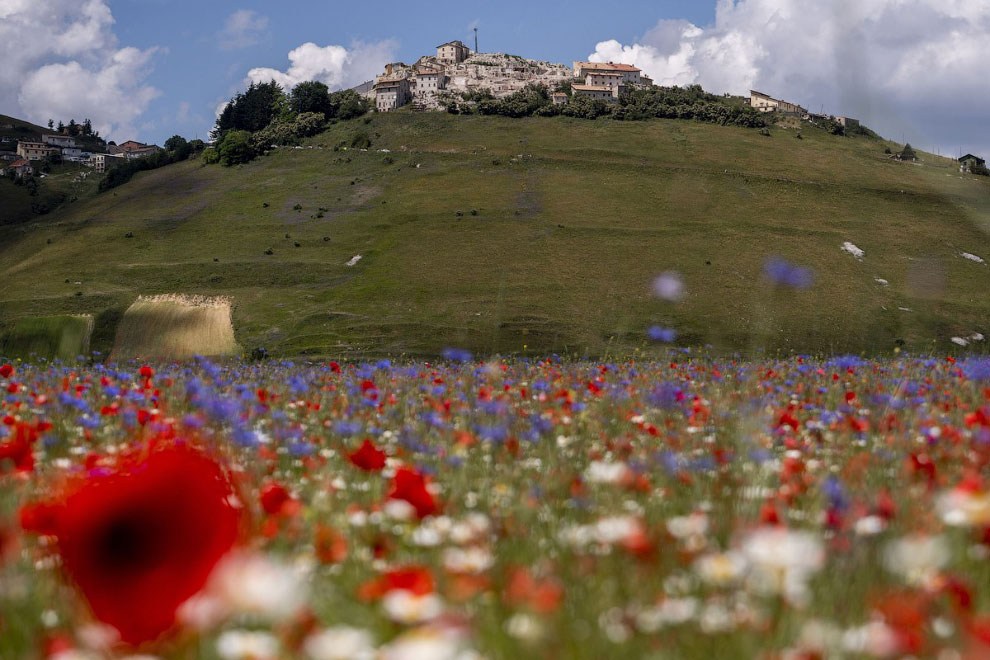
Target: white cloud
(336, 66)
(911, 67)
(243, 28)
(61, 61)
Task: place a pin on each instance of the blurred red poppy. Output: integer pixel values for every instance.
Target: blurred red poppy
(141, 537)
(368, 457)
(410, 486)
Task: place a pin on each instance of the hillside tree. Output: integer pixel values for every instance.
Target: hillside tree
(311, 96)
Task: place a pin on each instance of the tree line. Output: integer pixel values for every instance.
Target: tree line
(690, 102)
(265, 115)
(177, 149)
(73, 129)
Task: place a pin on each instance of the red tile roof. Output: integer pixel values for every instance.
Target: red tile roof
(607, 66)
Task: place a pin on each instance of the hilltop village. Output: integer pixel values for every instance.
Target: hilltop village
(455, 70)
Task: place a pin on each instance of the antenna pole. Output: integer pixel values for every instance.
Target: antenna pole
(476, 40)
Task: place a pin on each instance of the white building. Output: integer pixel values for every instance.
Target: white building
(429, 81)
(60, 141)
(100, 162)
(765, 103)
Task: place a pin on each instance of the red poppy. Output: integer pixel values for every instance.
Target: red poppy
(6, 371)
(19, 447)
(410, 486)
(273, 497)
(542, 595)
(142, 537)
(417, 580)
(330, 545)
(368, 457)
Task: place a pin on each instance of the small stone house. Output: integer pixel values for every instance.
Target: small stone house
(559, 98)
(969, 162)
(21, 168)
(453, 52)
(391, 93)
(598, 92)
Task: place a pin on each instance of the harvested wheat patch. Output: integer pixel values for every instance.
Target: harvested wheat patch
(175, 327)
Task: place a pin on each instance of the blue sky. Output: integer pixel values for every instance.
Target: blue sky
(147, 69)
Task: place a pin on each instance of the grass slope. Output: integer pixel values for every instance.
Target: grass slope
(574, 219)
(62, 337)
(64, 184)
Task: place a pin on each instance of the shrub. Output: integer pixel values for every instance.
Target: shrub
(288, 132)
(361, 141)
(236, 148)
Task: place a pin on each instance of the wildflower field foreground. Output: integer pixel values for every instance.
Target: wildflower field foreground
(690, 508)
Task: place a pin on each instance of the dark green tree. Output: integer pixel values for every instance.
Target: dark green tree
(178, 147)
(51, 124)
(252, 110)
(312, 96)
(347, 104)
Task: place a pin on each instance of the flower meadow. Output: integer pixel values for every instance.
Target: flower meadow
(690, 507)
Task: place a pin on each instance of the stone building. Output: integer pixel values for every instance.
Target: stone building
(848, 122)
(391, 93)
(21, 168)
(629, 73)
(602, 79)
(36, 150)
(598, 92)
(969, 162)
(452, 52)
(765, 103)
(132, 149)
(559, 98)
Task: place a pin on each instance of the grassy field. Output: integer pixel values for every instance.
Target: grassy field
(54, 336)
(530, 236)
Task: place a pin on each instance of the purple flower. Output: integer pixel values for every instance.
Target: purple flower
(456, 355)
(665, 335)
(784, 273)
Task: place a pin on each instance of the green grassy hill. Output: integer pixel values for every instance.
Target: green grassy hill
(529, 236)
